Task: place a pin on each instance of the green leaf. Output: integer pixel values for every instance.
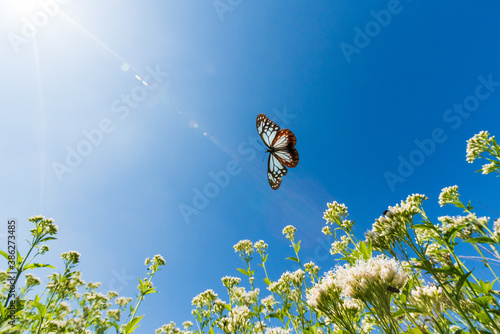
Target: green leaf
(41, 308)
(132, 325)
(297, 246)
(267, 281)
(483, 301)
(243, 271)
(311, 330)
(38, 265)
(480, 240)
(19, 259)
(5, 255)
(292, 258)
(461, 282)
(365, 249)
(47, 239)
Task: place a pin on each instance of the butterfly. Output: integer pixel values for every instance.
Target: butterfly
(281, 148)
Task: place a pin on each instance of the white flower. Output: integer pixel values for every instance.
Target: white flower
(449, 195)
(289, 232)
(370, 278)
(478, 144)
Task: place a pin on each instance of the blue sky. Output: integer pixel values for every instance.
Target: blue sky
(358, 93)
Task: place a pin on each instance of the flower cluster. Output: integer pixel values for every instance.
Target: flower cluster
(43, 226)
(245, 248)
(430, 299)
(466, 225)
(369, 279)
(449, 195)
(478, 144)
(289, 232)
(336, 214)
(205, 298)
(393, 226)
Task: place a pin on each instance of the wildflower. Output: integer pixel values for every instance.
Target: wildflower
(259, 327)
(297, 277)
(260, 246)
(269, 303)
(449, 195)
(123, 301)
(438, 256)
(205, 298)
(478, 144)
(239, 317)
(326, 230)
(230, 282)
(488, 168)
(187, 325)
(244, 247)
(54, 325)
(35, 219)
(392, 227)
(368, 323)
(423, 235)
(335, 215)
(72, 257)
(93, 286)
(97, 297)
(277, 330)
(334, 211)
(289, 232)
(324, 295)
(154, 263)
(43, 226)
(326, 298)
(429, 299)
(282, 286)
(32, 281)
(159, 260)
(311, 268)
(242, 297)
(496, 229)
(168, 329)
(467, 224)
(114, 314)
(44, 249)
(340, 246)
(219, 306)
(64, 307)
(112, 294)
(3, 276)
(369, 279)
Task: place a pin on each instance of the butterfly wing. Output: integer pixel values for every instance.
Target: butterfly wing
(275, 171)
(267, 129)
(284, 139)
(283, 147)
(288, 157)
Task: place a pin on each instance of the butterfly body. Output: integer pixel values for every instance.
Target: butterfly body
(280, 145)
